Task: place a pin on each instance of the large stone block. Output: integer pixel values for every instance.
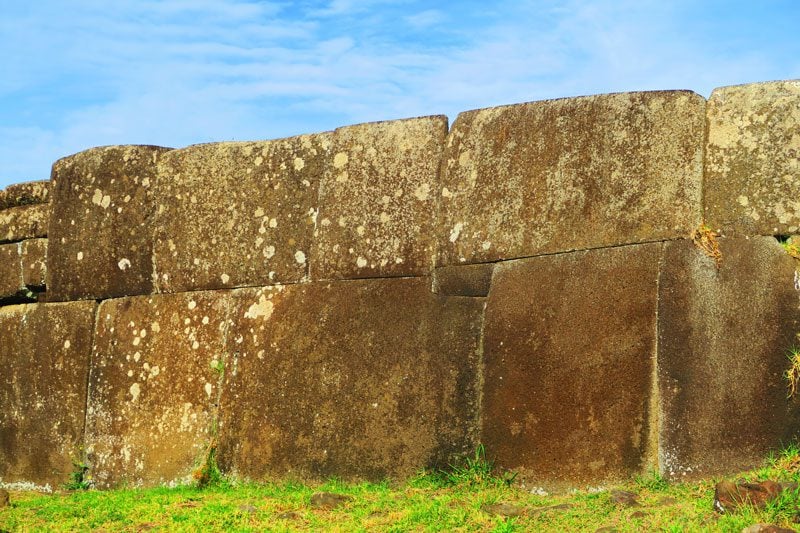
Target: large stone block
(753, 158)
(569, 174)
(355, 379)
(101, 235)
(22, 269)
(44, 353)
(377, 200)
(724, 336)
(24, 222)
(569, 349)
(154, 387)
(31, 192)
(237, 214)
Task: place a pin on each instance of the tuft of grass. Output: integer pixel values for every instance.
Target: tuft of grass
(78, 478)
(653, 481)
(209, 474)
(706, 239)
(792, 374)
(790, 245)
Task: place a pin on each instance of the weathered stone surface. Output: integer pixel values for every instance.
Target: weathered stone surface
(753, 158)
(355, 379)
(463, 280)
(568, 348)
(44, 354)
(568, 174)
(154, 386)
(377, 201)
(33, 258)
(32, 192)
(24, 222)
(101, 235)
(237, 214)
(724, 336)
(10, 271)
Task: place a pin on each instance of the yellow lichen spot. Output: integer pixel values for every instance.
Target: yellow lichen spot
(299, 164)
(422, 192)
(361, 262)
(134, 390)
(743, 201)
(360, 230)
(258, 160)
(340, 160)
(259, 213)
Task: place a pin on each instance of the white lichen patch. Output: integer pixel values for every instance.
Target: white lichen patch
(134, 390)
(269, 251)
(262, 308)
(80, 256)
(456, 231)
(361, 262)
(124, 263)
(300, 257)
(67, 344)
(208, 388)
(743, 201)
(225, 278)
(192, 304)
(299, 164)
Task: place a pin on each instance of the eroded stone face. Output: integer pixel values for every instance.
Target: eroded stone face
(377, 200)
(724, 336)
(568, 348)
(237, 214)
(569, 174)
(101, 235)
(44, 353)
(354, 379)
(33, 259)
(154, 386)
(32, 192)
(24, 222)
(10, 271)
(753, 158)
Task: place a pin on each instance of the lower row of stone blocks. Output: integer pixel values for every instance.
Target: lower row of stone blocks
(580, 367)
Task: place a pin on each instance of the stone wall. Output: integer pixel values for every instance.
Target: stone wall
(379, 299)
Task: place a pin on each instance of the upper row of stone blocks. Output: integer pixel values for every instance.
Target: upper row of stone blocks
(393, 199)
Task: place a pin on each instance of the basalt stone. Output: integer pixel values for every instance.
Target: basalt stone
(33, 259)
(24, 222)
(32, 192)
(238, 214)
(753, 159)
(377, 201)
(724, 335)
(101, 235)
(362, 379)
(153, 387)
(10, 271)
(569, 348)
(463, 280)
(44, 353)
(729, 496)
(575, 173)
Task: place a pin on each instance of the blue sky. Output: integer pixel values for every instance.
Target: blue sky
(82, 73)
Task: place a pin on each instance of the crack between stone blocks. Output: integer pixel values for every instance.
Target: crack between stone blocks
(90, 365)
(477, 435)
(654, 451)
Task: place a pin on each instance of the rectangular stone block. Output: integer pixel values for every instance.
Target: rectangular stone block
(11, 282)
(24, 222)
(154, 387)
(463, 280)
(44, 353)
(569, 347)
(237, 214)
(753, 159)
(33, 259)
(377, 209)
(575, 173)
(354, 379)
(724, 336)
(101, 234)
(31, 192)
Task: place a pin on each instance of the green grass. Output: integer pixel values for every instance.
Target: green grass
(440, 501)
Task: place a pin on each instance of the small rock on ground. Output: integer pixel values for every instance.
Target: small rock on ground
(328, 500)
(624, 498)
(502, 509)
(728, 496)
(559, 507)
(247, 508)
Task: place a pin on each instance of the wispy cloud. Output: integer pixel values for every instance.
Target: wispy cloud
(176, 72)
